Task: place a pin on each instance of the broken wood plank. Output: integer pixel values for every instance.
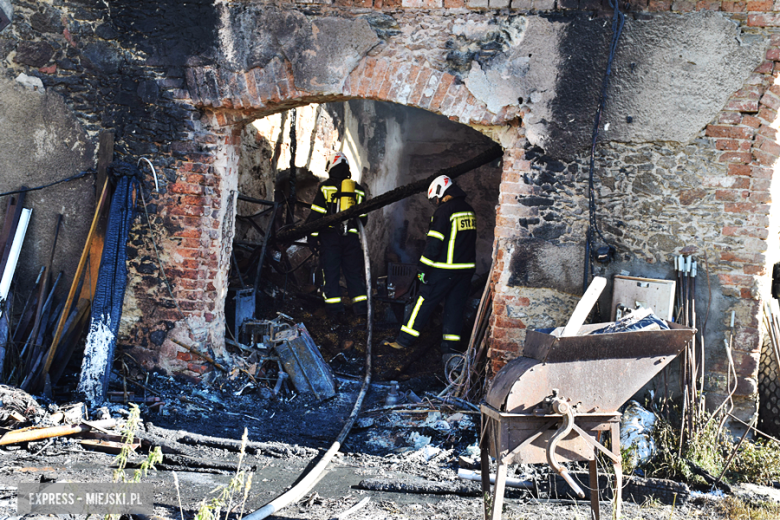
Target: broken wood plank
(16, 416)
(12, 213)
(113, 447)
(10, 255)
(186, 463)
(102, 436)
(468, 474)
(34, 344)
(391, 196)
(173, 437)
(584, 306)
(28, 311)
(36, 434)
(41, 316)
(427, 487)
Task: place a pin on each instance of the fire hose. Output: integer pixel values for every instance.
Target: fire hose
(307, 483)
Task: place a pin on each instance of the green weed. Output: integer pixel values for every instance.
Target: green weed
(733, 508)
(757, 462)
(128, 435)
(212, 508)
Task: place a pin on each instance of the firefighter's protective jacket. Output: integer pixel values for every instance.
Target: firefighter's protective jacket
(326, 203)
(452, 237)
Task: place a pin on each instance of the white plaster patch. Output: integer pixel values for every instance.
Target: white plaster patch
(513, 29)
(227, 36)
(30, 83)
(499, 86)
(430, 88)
(45, 142)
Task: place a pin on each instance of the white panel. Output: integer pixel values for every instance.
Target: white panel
(636, 292)
(13, 258)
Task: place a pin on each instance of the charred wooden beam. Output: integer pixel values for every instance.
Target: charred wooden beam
(36, 434)
(395, 195)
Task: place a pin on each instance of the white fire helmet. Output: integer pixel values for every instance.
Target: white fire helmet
(335, 158)
(439, 186)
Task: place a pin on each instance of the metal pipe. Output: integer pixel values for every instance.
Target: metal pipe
(16, 249)
(307, 482)
(468, 474)
(362, 503)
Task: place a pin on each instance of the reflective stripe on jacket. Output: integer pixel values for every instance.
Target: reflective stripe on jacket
(326, 203)
(452, 237)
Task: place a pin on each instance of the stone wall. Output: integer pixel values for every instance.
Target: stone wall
(686, 154)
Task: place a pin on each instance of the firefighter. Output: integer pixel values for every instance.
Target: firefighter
(444, 270)
(339, 244)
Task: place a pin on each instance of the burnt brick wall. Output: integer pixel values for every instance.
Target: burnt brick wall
(157, 74)
(121, 67)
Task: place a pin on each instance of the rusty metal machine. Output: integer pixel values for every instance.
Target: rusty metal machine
(554, 403)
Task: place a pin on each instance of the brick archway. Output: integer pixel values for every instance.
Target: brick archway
(236, 96)
(203, 202)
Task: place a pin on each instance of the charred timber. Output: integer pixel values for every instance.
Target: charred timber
(395, 195)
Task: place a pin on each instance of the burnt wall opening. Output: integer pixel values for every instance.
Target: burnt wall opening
(387, 146)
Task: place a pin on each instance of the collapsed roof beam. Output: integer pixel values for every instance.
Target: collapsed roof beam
(389, 197)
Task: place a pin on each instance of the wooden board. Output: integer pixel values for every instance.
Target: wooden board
(584, 307)
(105, 156)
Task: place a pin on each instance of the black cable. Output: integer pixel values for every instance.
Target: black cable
(618, 20)
(68, 179)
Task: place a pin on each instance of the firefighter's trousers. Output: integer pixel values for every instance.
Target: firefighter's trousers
(339, 253)
(451, 285)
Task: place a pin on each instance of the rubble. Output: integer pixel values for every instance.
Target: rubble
(285, 380)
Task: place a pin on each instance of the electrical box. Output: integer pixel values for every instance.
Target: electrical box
(633, 292)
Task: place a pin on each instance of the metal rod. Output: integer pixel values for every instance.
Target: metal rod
(734, 452)
(238, 271)
(754, 428)
(200, 354)
(262, 253)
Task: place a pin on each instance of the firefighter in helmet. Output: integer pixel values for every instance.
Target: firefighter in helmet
(339, 244)
(445, 269)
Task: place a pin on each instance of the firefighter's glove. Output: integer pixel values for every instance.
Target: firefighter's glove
(422, 277)
(313, 242)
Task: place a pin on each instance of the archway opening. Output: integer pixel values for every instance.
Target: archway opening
(387, 146)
